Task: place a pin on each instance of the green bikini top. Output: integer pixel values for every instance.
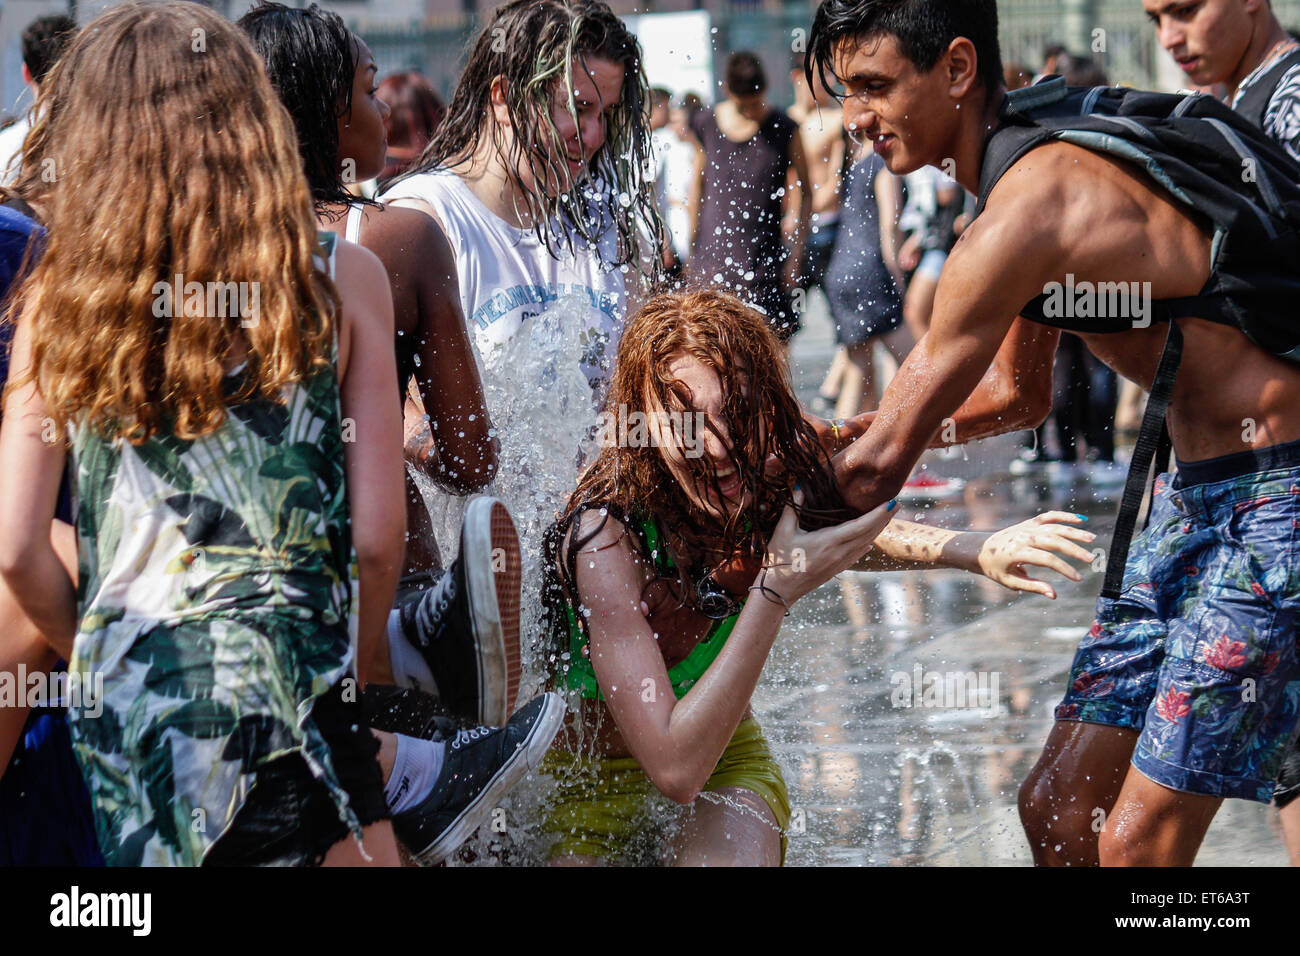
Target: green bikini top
(581, 676)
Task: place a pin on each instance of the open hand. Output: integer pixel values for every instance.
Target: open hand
(1005, 555)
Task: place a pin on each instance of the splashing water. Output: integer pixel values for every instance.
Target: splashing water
(544, 412)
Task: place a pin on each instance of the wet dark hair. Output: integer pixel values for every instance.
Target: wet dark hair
(535, 45)
(311, 57)
(44, 41)
(923, 28)
(744, 75)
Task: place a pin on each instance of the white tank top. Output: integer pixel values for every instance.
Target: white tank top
(508, 276)
(352, 226)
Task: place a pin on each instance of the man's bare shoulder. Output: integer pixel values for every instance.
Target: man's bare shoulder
(1066, 188)
(1095, 213)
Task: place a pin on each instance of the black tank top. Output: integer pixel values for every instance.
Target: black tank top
(741, 205)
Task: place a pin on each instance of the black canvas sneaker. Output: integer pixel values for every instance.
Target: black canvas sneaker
(464, 620)
(480, 767)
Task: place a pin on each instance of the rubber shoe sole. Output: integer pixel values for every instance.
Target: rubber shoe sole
(528, 756)
(493, 578)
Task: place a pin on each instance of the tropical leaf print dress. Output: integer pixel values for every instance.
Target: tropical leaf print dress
(216, 598)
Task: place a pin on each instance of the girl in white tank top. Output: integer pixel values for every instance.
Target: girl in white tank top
(508, 275)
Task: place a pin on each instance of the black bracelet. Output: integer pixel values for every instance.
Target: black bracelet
(764, 590)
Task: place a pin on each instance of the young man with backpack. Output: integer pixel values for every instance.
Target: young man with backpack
(1173, 251)
(1241, 44)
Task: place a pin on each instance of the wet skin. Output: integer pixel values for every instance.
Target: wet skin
(1060, 209)
(677, 628)
(432, 343)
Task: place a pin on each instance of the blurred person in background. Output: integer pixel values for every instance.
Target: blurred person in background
(415, 110)
(43, 43)
(749, 238)
(678, 162)
(863, 281)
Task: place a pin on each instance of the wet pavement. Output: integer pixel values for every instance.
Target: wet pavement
(872, 783)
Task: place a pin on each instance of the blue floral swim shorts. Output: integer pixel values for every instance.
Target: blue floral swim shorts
(1199, 653)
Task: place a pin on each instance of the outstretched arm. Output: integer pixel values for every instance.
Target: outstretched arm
(678, 742)
(1001, 556)
(987, 279)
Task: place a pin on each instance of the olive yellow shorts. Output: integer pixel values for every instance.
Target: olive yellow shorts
(608, 808)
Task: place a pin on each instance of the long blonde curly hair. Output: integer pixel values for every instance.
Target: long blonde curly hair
(160, 150)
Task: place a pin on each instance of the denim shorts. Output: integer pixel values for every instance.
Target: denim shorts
(288, 817)
(932, 263)
(1199, 652)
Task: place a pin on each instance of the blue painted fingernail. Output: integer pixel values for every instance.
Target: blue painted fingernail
(1082, 517)
(892, 504)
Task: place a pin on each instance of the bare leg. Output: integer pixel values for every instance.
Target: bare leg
(830, 388)
(738, 830)
(380, 846)
(1290, 817)
(859, 388)
(898, 344)
(1068, 796)
(1152, 825)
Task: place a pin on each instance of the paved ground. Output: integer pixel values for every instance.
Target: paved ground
(876, 784)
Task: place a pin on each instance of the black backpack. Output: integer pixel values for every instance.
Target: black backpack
(1242, 185)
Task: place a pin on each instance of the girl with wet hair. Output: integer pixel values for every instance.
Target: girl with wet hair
(539, 174)
(230, 588)
(655, 626)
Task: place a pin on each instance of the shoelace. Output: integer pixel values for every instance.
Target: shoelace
(444, 592)
(464, 737)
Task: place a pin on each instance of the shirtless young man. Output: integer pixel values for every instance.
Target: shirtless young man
(821, 129)
(1241, 44)
(1211, 595)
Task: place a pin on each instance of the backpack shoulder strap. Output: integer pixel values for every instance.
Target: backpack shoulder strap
(1152, 444)
(1016, 134)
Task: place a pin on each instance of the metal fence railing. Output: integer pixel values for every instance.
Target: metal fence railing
(1125, 46)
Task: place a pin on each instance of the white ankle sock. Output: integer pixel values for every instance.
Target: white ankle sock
(415, 771)
(409, 667)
